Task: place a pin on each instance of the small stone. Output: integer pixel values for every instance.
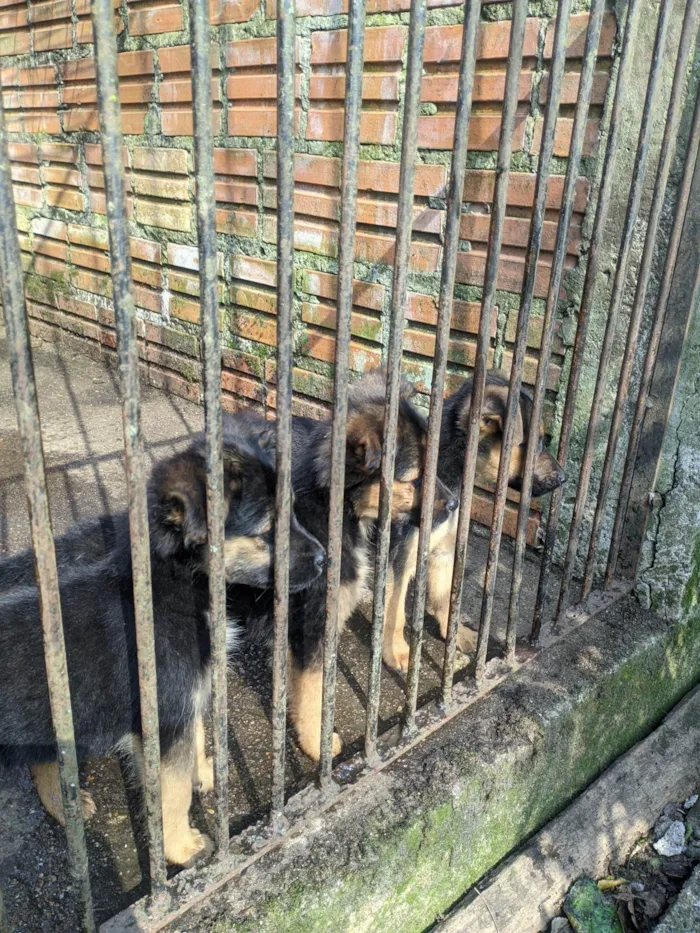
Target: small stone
(560, 925)
(636, 887)
(690, 802)
(673, 840)
(661, 827)
(693, 817)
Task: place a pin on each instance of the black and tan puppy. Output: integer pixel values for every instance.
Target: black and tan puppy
(547, 476)
(98, 620)
(311, 483)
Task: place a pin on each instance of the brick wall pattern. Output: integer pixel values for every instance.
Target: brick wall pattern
(47, 75)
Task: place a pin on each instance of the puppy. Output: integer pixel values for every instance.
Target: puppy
(98, 620)
(547, 476)
(311, 453)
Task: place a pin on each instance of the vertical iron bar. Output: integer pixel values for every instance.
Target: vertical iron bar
(348, 214)
(654, 341)
(211, 349)
(127, 353)
(604, 196)
(615, 302)
(285, 298)
(4, 928)
(505, 146)
(404, 224)
(29, 425)
(455, 194)
(556, 76)
(664, 167)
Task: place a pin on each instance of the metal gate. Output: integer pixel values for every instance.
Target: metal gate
(608, 369)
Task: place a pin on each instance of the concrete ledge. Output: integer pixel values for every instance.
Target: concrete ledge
(398, 850)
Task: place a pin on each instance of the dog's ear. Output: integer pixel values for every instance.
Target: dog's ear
(181, 495)
(364, 444)
(491, 423)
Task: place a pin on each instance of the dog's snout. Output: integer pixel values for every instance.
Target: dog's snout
(452, 504)
(320, 558)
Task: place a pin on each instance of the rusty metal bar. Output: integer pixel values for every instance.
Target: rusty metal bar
(605, 193)
(4, 926)
(556, 77)
(668, 146)
(211, 349)
(29, 425)
(404, 224)
(285, 301)
(498, 215)
(455, 194)
(348, 214)
(638, 177)
(135, 461)
(658, 320)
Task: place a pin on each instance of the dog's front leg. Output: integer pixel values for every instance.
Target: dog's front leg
(305, 704)
(439, 588)
(48, 786)
(203, 771)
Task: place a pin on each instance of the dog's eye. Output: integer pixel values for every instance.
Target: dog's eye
(418, 482)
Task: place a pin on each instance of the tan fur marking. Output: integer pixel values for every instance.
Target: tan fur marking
(48, 786)
(305, 698)
(246, 552)
(203, 771)
(395, 648)
(404, 498)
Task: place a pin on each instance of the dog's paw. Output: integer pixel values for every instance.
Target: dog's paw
(204, 776)
(88, 804)
(396, 656)
(337, 744)
(311, 745)
(467, 639)
(185, 850)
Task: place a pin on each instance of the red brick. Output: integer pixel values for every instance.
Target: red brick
(236, 192)
(471, 269)
(237, 223)
(482, 513)
(235, 162)
(91, 282)
(576, 36)
(28, 77)
(179, 58)
(465, 314)
(250, 269)
(232, 11)
(158, 20)
(479, 183)
(251, 53)
(569, 90)
(444, 43)
(32, 123)
(147, 275)
(321, 346)
(361, 325)
(242, 362)
(38, 100)
(24, 152)
(376, 126)
(374, 87)
(487, 87)
(562, 136)
(256, 121)
(90, 259)
(161, 186)
(173, 384)
(62, 176)
(17, 43)
(15, 19)
(98, 203)
(82, 235)
(180, 122)
(325, 285)
(254, 299)
(382, 44)
(240, 385)
(516, 231)
(56, 36)
(256, 87)
(56, 229)
(93, 154)
(180, 91)
(308, 237)
(66, 198)
(27, 197)
(53, 248)
(161, 160)
(371, 248)
(164, 215)
(254, 327)
(76, 120)
(129, 64)
(437, 132)
(23, 173)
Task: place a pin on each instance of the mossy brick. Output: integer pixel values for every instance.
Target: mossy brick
(589, 911)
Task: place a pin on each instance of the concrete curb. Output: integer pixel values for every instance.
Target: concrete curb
(598, 829)
(401, 847)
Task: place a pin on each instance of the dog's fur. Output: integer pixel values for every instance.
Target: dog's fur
(547, 476)
(311, 483)
(98, 620)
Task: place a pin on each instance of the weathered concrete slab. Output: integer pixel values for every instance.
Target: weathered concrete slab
(684, 916)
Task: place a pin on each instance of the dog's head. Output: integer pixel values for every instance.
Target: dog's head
(365, 436)
(178, 503)
(547, 475)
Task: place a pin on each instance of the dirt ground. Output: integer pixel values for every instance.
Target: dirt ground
(82, 432)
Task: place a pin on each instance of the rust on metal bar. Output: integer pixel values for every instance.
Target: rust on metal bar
(29, 425)
(556, 77)
(631, 216)
(404, 224)
(136, 465)
(211, 350)
(668, 147)
(285, 300)
(498, 216)
(605, 193)
(657, 326)
(348, 214)
(455, 194)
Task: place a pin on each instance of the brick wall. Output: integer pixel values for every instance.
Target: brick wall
(48, 81)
